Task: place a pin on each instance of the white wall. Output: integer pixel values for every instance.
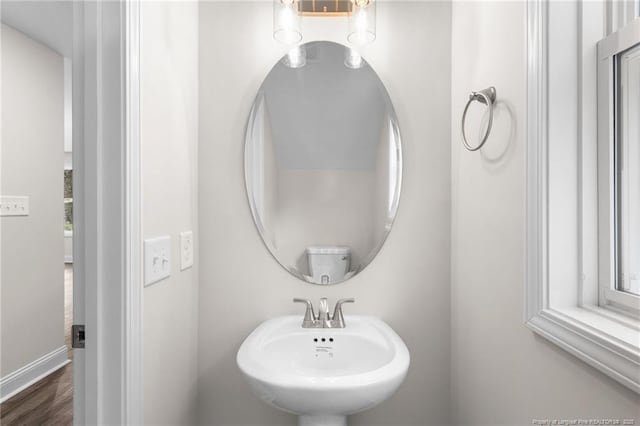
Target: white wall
(169, 133)
(407, 284)
(503, 374)
(32, 273)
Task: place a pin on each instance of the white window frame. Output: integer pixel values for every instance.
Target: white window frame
(608, 48)
(562, 298)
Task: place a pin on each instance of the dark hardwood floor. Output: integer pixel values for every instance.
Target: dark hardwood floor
(50, 401)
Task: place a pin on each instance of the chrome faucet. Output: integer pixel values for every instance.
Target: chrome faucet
(323, 313)
(324, 319)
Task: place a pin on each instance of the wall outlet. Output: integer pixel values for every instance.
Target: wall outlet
(157, 259)
(186, 250)
(14, 206)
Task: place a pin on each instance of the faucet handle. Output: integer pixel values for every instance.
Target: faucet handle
(337, 311)
(309, 314)
(323, 310)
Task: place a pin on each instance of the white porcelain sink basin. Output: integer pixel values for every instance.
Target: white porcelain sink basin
(323, 374)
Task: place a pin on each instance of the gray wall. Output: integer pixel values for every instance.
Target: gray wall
(169, 134)
(324, 207)
(503, 374)
(48, 22)
(324, 115)
(407, 284)
(32, 163)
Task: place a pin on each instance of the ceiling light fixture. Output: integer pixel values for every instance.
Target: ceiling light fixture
(361, 16)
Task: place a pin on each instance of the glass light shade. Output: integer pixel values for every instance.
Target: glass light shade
(296, 57)
(352, 59)
(362, 22)
(286, 21)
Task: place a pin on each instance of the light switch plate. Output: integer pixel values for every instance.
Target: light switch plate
(157, 259)
(186, 250)
(14, 206)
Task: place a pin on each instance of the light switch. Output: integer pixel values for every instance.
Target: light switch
(186, 250)
(157, 259)
(14, 206)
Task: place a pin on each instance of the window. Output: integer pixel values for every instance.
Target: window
(628, 169)
(583, 182)
(619, 169)
(68, 201)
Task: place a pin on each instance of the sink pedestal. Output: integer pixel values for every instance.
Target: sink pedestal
(322, 421)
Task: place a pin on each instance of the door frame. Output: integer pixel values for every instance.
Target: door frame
(107, 221)
(134, 280)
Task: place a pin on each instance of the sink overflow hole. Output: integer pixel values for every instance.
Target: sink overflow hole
(315, 339)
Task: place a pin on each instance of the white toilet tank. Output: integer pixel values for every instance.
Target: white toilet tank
(328, 264)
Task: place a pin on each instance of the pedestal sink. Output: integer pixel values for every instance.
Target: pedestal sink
(323, 374)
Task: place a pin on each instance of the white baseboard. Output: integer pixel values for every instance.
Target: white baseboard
(24, 377)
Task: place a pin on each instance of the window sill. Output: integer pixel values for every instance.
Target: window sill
(603, 339)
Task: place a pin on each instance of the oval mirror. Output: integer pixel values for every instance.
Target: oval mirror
(323, 163)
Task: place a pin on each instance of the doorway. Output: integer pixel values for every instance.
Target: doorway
(36, 373)
(107, 277)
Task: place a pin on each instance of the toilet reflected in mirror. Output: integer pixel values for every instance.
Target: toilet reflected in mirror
(323, 163)
(328, 264)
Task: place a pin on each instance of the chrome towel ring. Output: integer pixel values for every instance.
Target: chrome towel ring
(487, 97)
